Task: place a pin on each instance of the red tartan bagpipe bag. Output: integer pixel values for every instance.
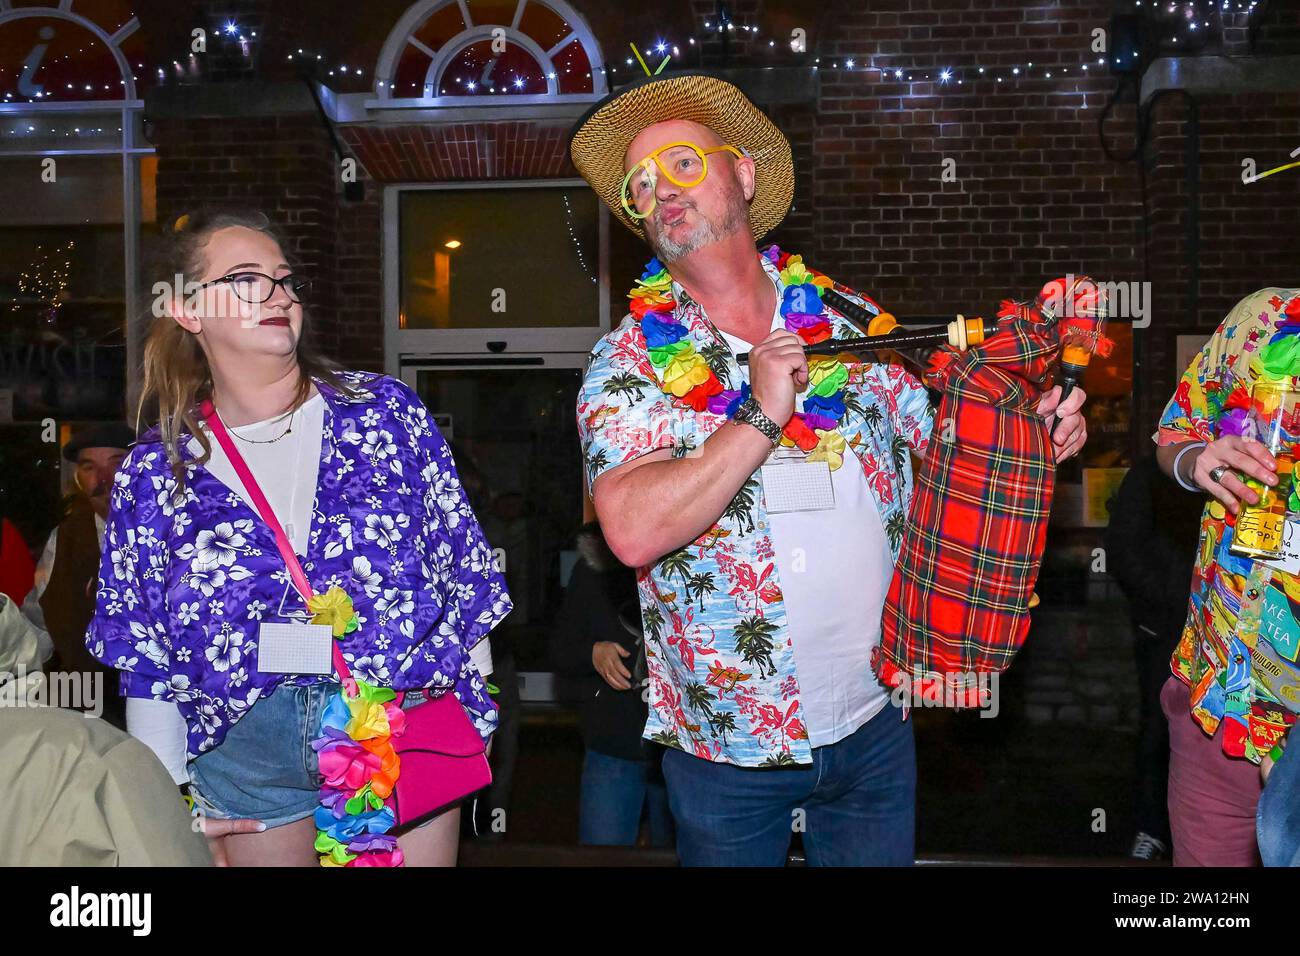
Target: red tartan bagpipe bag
(958, 604)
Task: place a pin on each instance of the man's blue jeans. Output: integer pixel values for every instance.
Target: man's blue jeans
(858, 803)
(614, 791)
(1277, 821)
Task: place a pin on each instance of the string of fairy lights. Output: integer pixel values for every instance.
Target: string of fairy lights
(1184, 23)
(573, 236)
(88, 132)
(227, 33)
(17, 72)
(1189, 20)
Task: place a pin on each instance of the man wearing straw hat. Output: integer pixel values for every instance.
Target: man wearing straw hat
(764, 507)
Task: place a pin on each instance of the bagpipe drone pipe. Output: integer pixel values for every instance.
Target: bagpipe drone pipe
(958, 604)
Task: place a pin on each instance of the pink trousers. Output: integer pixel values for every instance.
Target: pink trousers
(1212, 797)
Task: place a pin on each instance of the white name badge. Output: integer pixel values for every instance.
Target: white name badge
(295, 649)
(1289, 563)
(795, 484)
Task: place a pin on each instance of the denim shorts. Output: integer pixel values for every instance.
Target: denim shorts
(265, 769)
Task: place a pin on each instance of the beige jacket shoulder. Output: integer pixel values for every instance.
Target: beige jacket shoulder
(76, 791)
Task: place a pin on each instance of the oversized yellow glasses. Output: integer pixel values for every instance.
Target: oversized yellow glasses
(684, 164)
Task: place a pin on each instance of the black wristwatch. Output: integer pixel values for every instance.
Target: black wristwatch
(751, 413)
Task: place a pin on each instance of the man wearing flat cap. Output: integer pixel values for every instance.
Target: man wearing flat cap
(763, 505)
(62, 601)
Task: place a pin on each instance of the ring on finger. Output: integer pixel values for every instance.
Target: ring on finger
(1217, 473)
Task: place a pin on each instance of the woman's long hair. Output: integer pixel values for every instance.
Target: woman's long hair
(176, 374)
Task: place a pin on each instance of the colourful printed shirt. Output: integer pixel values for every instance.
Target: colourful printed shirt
(187, 580)
(722, 682)
(1239, 647)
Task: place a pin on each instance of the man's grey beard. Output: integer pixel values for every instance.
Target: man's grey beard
(706, 233)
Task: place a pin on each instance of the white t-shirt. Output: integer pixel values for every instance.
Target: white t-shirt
(835, 567)
(295, 456)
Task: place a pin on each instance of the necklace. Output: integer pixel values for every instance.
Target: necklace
(265, 441)
(687, 377)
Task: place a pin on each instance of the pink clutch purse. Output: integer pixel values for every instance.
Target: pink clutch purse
(443, 758)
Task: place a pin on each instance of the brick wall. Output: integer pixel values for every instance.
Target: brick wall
(358, 266)
(1034, 195)
(1247, 233)
(1032, 198)
(285, 166)
(462, 151)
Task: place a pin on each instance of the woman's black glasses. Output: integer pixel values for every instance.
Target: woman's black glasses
(256, 287)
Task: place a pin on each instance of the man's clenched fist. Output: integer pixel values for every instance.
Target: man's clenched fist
(777, 369)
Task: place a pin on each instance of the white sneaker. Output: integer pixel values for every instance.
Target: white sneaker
(1147, 847)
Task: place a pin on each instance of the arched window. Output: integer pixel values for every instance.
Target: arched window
(76, 181)
(80, 51)
(478, 49)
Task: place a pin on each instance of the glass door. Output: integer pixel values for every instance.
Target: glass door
(510, 423)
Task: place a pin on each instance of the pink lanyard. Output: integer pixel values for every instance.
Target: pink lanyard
(263, 507)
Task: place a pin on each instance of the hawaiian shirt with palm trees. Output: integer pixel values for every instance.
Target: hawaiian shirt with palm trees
(722, 682)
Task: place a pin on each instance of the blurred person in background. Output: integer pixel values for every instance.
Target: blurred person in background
(597, 644)
(1150, 547)
(61, 601)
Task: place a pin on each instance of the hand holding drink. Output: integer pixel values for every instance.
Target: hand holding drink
(1272, 423)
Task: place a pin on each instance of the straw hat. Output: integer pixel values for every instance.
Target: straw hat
(600, 139)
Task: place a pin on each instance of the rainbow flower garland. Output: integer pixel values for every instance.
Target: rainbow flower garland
(1276, 361)
(687, 376)
(1280, 358)
(357, 759)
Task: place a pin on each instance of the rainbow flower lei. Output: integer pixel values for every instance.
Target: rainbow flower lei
(1276, 361)
(1280, 358)
(357, 759)
(687, 376)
